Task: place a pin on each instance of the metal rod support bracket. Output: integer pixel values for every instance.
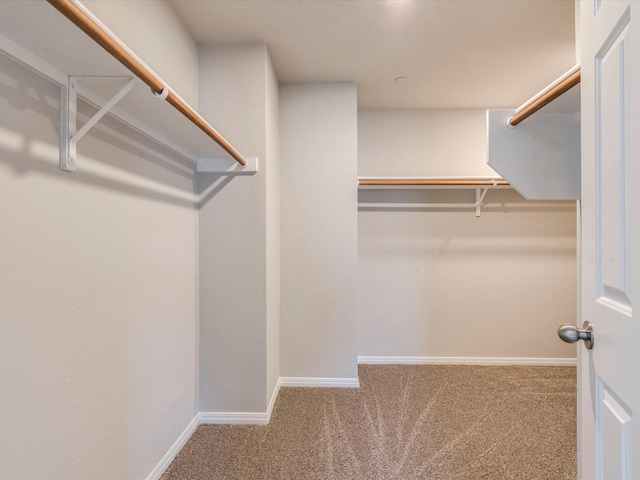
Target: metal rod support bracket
(69, 137)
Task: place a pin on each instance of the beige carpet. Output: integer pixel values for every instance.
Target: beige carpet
(404, 422)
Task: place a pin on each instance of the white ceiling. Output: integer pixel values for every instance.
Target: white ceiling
(453, 53)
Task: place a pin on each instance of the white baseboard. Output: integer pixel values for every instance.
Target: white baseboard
(242, 418)
(274, 396)
(234, 418)
(466, 361)
(175, 448)
(319, 382)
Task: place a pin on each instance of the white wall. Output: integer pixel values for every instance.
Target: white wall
(155, 33)
(237, 294)
(445, 283)
(422, 142)
(273, 226)
(318, 152)
(98, 310)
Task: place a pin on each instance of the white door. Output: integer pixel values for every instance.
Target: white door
(609, 374)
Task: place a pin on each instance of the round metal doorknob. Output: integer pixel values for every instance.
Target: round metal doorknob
(571, 334)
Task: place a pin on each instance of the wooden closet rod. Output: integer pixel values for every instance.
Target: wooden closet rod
(454, 183)
(545, 98)
(82, 19)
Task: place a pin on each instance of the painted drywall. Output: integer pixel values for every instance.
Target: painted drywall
(444, 283)
(272, 167)
(98, 311)
(153, 31)
(318, 154)
(237, 293)
(422, 142)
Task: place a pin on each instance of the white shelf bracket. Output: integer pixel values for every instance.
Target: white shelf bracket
(480, 194)
(69, 106)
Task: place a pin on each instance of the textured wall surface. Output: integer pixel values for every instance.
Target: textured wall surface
(272, 166)
(98, 310)
(443, 283)
(233, 223)
(318, 149)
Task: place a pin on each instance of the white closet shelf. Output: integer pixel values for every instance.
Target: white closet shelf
(537, 146)
(38, 36)
(481, 185)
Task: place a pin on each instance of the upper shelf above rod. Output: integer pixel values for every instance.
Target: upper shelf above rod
(540, 157)
(481, 185)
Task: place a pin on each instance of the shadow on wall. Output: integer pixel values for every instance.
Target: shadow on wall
(509, 224)
(210, 184)
(29, 144)
(416, 200)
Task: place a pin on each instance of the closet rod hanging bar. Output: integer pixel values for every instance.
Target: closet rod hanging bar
(453, 183)
(570, 80)
(84, 20)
